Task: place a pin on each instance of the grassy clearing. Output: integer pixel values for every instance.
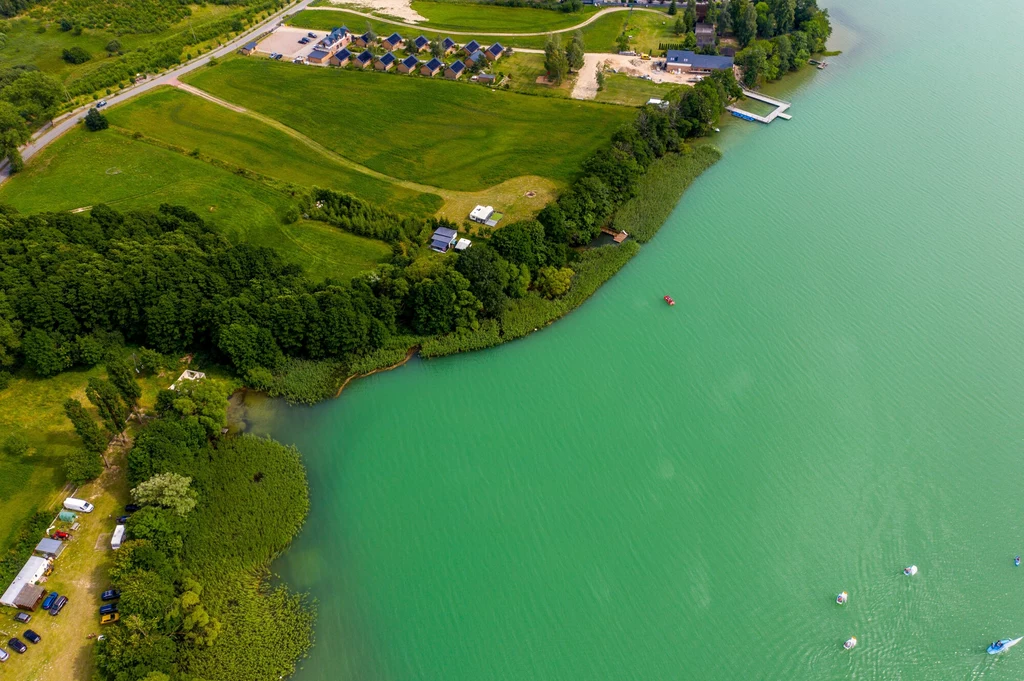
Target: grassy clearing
(495, 19)
(658, 191)
(189, 122)
(524, 69)
(25, 45)
(82, 169)
(442, 133)
(622, 89)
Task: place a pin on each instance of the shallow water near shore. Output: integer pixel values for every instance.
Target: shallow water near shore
(645, 492)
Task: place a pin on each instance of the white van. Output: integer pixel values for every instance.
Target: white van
(80, 505)
(117, 537)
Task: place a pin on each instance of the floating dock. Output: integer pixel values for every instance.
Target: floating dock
(779, 112)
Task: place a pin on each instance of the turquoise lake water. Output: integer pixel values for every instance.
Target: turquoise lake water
(645, 492)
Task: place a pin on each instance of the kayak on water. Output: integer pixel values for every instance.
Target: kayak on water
(1016, 561)
(1003, 644)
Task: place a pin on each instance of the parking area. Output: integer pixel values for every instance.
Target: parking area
(639, 68)
(285, 40)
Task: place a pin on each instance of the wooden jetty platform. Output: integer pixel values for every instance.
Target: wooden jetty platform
(779, 112)
(617, 237)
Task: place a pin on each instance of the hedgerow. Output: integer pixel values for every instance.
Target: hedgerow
(22, 545)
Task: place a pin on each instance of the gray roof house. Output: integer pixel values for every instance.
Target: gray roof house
(685, 60)
(443, 239)
(705, 34)
(248, 48)
(50, 548)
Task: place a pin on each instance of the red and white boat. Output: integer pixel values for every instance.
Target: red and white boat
(668, 299)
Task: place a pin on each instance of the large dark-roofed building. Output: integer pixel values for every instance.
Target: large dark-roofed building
(705, 34)
(442, 239)
(685, 61)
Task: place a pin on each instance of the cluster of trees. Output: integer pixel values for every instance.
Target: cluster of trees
(75, 55)
(567, 6)
(28, 99)
(749, 21)
(560, 61)
(214, 512)
(610, 175)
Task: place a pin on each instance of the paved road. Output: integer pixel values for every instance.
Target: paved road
(433, 29)
(61, 125)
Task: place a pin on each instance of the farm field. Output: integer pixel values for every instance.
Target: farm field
(622, 89)
(441, 133)
(106, 167)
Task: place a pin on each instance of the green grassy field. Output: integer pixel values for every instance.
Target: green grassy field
(25, 45)
(622, 89)
(83, 169)
(496, 19)
(189, 122)
(441, 133)
(524, 69)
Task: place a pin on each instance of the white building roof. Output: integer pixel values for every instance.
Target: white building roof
(33, 571)
(187, 375)
(481, 213)
(463, 244)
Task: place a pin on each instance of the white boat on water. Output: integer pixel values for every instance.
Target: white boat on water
(850, 642)
(910, 571)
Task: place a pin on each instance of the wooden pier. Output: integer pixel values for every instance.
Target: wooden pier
(779, 112)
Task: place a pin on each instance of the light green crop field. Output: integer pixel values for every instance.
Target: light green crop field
(622, 89)
(496, 19)
(189, 122)
(83, 169)
(25, 45)
(446, 134)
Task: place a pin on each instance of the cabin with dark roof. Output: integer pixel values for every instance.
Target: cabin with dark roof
(385, 63)
(318, 56)
(705, 34)
(409, 64)
(364, 40)
(455, 71)
(494, 52)
(685, 61)
(432, 67)
(248, 48)
(364, 59)
(449, 45)
(442, 239)
(485, 78)
(471, 47)
(393, 42)
(421, 44)
(340, 58)
(476, 58)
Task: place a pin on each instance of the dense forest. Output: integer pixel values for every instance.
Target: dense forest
(164, 280)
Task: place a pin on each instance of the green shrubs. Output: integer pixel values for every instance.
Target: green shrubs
(82, 465)
(659, 189)
(75, 55)
(304, 381)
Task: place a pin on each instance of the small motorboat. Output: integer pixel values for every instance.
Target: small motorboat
(718, 130)
(1003, 644)
(668, 299)
(850, 642)
(842, 598)
(1016, 561)
(910, 571)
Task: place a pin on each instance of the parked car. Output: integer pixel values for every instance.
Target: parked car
(101, 103)
(79, 505)
(32, 637)
(303, 41)
(3, 655)
(17, 646)
(109, 608)
(58, 605)
(311, 34)
(23, 617)
(121, 520)
(278, 56)
(110, 595)
(59, 534)
(49, 601)
(110, 619)
(132, 508)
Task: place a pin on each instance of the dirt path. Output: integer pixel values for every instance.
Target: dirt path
(174, 82)
(594, 17)
(586, 80)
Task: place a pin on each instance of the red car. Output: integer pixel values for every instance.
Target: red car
(63, 536)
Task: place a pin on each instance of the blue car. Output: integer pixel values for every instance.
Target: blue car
(110, 595)
(108, 609)
(48, 603)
